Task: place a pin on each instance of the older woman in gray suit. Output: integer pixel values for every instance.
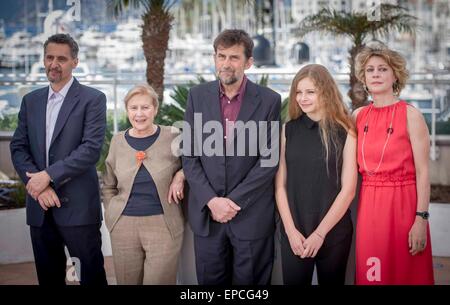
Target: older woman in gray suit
(143, 185)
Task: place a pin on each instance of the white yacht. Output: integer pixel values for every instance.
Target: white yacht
(19, 50)
(122, 47)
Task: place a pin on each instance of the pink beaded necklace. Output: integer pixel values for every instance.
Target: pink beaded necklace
(389, 131)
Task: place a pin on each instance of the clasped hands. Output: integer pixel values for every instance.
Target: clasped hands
(39, 188)
(305, 247)
(223, 209)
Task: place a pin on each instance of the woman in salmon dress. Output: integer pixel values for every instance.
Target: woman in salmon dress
(393, 245)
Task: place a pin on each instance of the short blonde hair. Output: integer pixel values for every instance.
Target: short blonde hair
(143, 89)
(394, 59)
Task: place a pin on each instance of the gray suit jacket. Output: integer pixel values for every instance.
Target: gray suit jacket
(241, 178)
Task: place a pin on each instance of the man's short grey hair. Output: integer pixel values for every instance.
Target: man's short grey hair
(63, 39)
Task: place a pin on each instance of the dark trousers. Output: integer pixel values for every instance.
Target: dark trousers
(223, 259)
(331, 264)
(84, 245)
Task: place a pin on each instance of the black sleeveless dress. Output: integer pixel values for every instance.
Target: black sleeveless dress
(311, 188)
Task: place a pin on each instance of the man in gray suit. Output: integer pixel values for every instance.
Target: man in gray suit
(54, 150)
(231, 201)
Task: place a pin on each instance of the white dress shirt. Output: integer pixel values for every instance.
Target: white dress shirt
(54, 103)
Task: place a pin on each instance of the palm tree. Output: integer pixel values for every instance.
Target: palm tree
(357, 27)
(157, 23)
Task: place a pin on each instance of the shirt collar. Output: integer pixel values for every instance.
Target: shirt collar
(63, 90)
(308, 122)
(240, 91)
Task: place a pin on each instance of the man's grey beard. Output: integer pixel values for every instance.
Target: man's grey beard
(229, 81)
(52, 80)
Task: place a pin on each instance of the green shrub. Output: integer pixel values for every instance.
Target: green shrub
(8, 122)
(123, 124)
(19, 195)
(16, 196)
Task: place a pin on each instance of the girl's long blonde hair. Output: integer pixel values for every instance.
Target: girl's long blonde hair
(334, 111)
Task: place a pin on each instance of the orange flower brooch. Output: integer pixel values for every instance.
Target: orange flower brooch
(140, 156)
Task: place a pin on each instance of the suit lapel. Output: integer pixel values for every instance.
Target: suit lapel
(41, 109)
(68, 104)
(212, 104)
(249, 104)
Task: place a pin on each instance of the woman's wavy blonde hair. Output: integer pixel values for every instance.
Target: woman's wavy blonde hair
(335, 112)
(394, 59)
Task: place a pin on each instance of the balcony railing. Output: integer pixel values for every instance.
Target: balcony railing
(429, 92)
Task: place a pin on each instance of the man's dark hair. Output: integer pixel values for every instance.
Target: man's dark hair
(63, 39)
(229, 38)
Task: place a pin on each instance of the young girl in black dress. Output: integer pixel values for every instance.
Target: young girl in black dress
(316, 180)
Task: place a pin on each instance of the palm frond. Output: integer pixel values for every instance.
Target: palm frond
(173, 112)
(394, 18)
(120, 6)
(264, 80)
(328, 20)
(356, 25)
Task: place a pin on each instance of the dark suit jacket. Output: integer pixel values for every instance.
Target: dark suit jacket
(239, 178)
(74, 150)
